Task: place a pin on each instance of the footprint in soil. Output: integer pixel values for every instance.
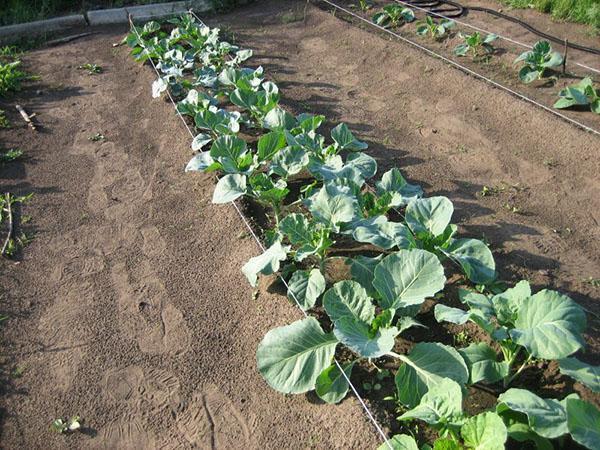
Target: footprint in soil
(158, 327)
(211, 421)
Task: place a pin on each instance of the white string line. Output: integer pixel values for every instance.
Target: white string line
(484, 30)
(262, 248)
(466, 69)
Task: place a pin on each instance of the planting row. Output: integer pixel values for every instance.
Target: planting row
(319, 199)
(541, 62)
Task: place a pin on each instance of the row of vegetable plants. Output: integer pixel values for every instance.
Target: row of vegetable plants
(319, 199)
(539, 63)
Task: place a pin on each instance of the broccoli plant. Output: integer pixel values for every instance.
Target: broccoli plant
(538, 61)
(297, 358)
(546, 325)
(434, 30)
(475, 44)
(580, 94)
(393, 16)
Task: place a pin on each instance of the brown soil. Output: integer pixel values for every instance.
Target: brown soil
(129, 307)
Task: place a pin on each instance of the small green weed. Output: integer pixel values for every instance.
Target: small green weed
(66, 425)
(97, 137)
(11, 77)
(10, 155)
(4, 122)
(92, 69)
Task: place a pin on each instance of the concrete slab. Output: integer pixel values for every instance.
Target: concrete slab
(12, 33)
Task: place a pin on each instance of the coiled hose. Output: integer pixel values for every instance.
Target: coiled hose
(452, 9)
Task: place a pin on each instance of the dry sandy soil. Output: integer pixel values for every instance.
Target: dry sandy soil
(129, 307)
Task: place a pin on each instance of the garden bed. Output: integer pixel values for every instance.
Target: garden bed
(518, 188)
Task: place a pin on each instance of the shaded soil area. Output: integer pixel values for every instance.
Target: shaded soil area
(129, 308)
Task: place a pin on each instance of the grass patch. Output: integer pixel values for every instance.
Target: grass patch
(11, 77)
(579, 11)
(4, 122)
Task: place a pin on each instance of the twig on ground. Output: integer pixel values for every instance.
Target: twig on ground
(68, 38)
(26, 117)
(10, 223)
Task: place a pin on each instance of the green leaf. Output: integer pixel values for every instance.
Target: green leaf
(429, 216)
(200, 162)
(584, 373)
(400, 442)
(483, 364)
(228, 150)
(269, 144)
(549, 325)
(547, 417)
(331, 385)
(345, 139)
(595, 106)
(426, 366)
(291, 358)
(485, 431)
(583, 421)
(402, 192)
(348, 298)
(297, 228)
(475, 258)
(445, 444)
(267, 263)
(445, 313)
(305, 287)
(407, 277)
(289, 161)
(441, 404)
(362, 269)
(229, 188)
(333, 205)
(521, 432)
(528, 74)
(358, 337)
(384, 234)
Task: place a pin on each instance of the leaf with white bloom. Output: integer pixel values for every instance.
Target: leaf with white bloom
(200, 141)
(345, 139)
(445, 313)
(279, 120)
(583, 422)
(348, 298)
(158, 87)
(584, 373)
(547, 417)
(200, 162)
(549, 325)
(407, 277)
(485, 431)
(429, 216)
(441, 404)
(292, 357)
(483, 364)
(305, 287)
(427, 364)
(385, 235)
(402, 192)
(331, 385)
(475, 258)
(358, 337)
(231, 152)
(267, 263)
(229, 188)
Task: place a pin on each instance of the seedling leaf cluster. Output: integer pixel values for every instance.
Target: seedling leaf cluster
(320, 193)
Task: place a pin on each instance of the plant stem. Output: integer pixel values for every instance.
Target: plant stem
(509, 380)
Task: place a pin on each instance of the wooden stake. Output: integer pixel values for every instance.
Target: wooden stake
(68, 38)
(26, 117)
(10, 223)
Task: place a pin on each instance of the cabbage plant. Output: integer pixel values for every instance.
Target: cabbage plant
(580, 94)
(537, 61)
(393, 15)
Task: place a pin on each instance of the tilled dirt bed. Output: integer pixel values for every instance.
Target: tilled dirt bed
(129, 307)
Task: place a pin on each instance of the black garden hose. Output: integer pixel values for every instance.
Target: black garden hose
(452, 9)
